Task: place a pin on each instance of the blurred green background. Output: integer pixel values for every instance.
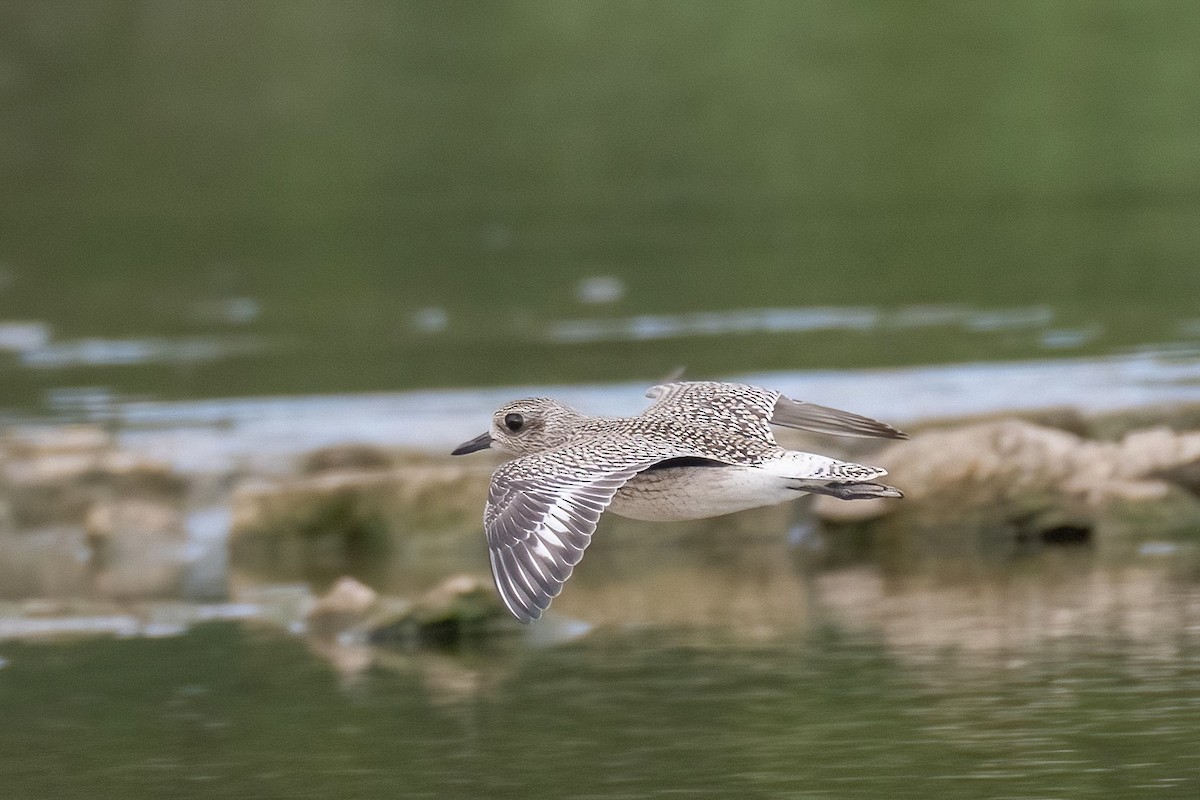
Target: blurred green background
(229, 198)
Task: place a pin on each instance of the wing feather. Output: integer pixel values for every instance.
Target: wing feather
(715, 401)
(543, 509)
(821, 419)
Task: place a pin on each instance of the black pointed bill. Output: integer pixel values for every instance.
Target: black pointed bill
(481, 442)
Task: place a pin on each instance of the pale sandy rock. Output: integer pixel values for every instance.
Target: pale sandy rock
(50, 561)
(55, 475)
(134, 518)
(420, 497)
(47, 468)
(22, 442)
(979, 464)
(345, 604)
(1018, 480)
(138, 548)
(136, 568)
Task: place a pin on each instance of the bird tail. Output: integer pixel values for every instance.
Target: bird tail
(806, 468)
(850, 491)
(809, 472)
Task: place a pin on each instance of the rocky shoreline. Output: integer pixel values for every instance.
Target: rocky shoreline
(392, 537)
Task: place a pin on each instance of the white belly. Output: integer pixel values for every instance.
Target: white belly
(679, 493)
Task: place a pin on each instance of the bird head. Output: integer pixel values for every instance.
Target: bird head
(525, 426)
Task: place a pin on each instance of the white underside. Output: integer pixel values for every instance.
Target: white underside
(680, 493)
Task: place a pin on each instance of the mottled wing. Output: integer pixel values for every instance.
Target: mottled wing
(734, 407)
(757, 409)
(542, 510)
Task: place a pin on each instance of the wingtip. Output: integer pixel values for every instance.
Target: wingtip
(832, 421)
(881, 430)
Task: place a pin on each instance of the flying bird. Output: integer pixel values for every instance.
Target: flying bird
(702, 449)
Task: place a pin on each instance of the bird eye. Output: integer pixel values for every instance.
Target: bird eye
(513, 422)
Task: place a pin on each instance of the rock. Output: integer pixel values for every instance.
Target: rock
(350, 500)
(55, 475)
(132, 474)
(134, 517)
(460, 608)
(37, 440)
(1012, 483)
(1160, 453)
(459, 597)
(316, 527)
(139, 548)
(343, 606)
(971, 467)
(50, 561)
(124, 513)
(47, 457)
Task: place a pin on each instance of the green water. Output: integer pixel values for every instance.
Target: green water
(374, 196)
(228, 712)
(707, 671)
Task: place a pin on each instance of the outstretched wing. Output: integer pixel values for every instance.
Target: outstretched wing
(542, 510)
(758, 409)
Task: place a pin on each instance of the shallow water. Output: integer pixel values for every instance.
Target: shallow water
(1053, 679)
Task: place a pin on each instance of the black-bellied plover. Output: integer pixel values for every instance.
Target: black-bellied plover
(701, 449)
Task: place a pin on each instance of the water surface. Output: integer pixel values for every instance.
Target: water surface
(1042, 682)
(321, 198)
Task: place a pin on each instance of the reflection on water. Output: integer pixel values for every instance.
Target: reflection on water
(1058, 678)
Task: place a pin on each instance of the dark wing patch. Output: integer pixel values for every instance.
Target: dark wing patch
(543, 509)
